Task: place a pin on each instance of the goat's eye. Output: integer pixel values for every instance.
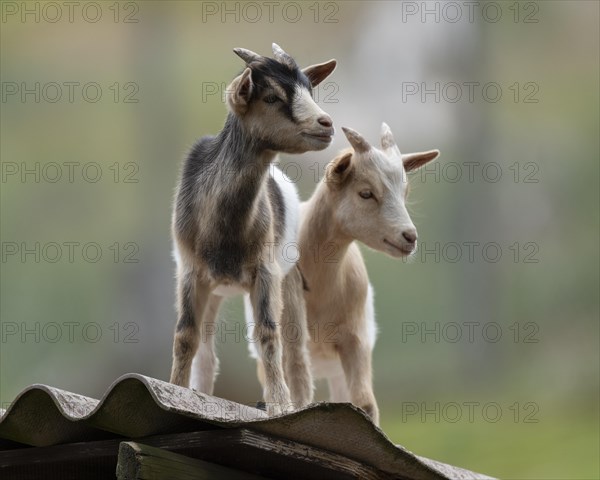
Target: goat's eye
(271, 99)
(366, 194)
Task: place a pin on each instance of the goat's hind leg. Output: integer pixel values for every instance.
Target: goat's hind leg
(267, 304)
(192, 298)
(205, 365)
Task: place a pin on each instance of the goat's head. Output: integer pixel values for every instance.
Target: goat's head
(273, 99)
(370, 188)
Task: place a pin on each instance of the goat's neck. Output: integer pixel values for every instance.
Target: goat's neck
(243, 163)
(243, 152)
(323, 242)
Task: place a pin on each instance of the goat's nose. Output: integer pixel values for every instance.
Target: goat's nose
(410, 235)
(325, 120)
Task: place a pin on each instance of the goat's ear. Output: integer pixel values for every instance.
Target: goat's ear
(413, 161)
(239, 92)
(317, 73)
(339, 168)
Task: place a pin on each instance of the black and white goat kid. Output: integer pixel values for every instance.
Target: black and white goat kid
(234, 213)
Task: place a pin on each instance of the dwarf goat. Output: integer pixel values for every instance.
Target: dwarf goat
(362, 197)
(231, 208)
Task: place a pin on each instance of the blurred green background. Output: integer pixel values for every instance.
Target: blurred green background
(484, 361)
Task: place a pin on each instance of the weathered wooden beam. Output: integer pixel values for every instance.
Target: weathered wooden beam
(240, 449)
(142, 462)
(269, 456)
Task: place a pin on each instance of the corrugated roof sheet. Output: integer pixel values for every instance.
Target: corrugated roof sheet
(138, 406)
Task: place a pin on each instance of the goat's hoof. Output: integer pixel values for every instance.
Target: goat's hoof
(372, 411)
(275, 408)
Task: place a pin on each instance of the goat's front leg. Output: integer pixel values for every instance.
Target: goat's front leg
(355, 356)
(205, 365)
(267, 305)
(296, 359)
(192, 298)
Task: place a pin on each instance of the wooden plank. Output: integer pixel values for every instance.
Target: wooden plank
(142, 462)
(239, 449)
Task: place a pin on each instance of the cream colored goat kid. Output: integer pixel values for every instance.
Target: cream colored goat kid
(362, 197)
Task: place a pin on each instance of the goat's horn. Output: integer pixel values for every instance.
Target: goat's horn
(356, 140)
(283, 57)
(246, 55)
(387, 138)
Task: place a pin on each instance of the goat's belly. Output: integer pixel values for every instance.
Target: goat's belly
(229, 290)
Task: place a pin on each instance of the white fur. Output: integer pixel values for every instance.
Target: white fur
(370, 317)
(176, 255)
(197, 379)
(249, 316)
(286, 252)
(304, 107)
